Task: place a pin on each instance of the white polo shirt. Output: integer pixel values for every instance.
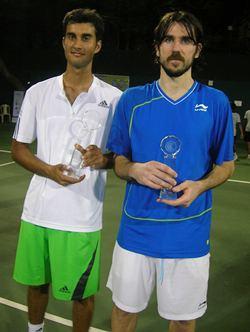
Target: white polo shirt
(48, 116)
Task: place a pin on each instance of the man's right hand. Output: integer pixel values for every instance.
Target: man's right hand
(57, 174)
(22, 155)
(153, 174)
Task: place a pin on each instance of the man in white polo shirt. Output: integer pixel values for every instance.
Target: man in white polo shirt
(59, 241)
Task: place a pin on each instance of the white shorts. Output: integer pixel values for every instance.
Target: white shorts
(181, 284)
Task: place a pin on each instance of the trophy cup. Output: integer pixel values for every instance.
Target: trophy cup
(170, 146)
(81, 133)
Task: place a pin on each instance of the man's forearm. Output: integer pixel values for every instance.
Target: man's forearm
(122, 167)
(217, 176)
(108, 160)
(192, 189)
(23, 156)
(241, 130)
(152, 174)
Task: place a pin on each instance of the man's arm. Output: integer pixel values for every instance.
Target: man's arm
(245, 120)
(240, 126)
(192, 189)
(23, 156)
(152, 174)
(241, 130)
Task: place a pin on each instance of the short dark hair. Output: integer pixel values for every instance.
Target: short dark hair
(85, 15)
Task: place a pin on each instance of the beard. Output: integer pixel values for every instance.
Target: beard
(178, 71)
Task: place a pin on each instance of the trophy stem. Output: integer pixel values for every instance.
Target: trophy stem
(170, 161)
(170, 145)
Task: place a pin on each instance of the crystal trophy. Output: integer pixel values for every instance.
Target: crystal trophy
(81, 131)
(170, 146)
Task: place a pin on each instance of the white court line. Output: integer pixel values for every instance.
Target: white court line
(48, 316)
(5, 151)
(11, 162)
(6, 164)
(238, 181)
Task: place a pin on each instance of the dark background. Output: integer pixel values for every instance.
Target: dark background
(31, 36)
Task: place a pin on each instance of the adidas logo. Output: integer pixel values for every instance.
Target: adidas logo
(64, 290)
(103, 104)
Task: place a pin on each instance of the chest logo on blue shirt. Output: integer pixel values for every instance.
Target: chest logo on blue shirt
(200, 108)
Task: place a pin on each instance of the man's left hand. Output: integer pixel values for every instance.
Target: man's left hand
(92, 156)
(191, 190)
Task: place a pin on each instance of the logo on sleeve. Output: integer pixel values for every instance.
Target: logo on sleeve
(202, 305)
(200, 108)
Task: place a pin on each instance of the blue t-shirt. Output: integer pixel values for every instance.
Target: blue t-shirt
(202, 122)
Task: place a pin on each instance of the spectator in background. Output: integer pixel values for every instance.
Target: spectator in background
(236, 124)
(247, 132)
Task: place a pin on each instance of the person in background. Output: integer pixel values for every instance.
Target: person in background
(173, 142)
(59, 240)
(247, 132)
(236, 124)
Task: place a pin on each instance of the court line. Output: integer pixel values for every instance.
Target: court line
(48, 316)
(238, 181)
(12, 162)
(5, 151)
(6, 164)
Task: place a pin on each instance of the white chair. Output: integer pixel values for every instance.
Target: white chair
(5, 112)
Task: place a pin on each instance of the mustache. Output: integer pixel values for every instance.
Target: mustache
(76, 50)
(175, 56)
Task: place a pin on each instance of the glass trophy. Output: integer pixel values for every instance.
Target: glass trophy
(81, 131)
(170, 146)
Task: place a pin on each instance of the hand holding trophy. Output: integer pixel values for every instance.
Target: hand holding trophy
(170, 146)
(82, 130)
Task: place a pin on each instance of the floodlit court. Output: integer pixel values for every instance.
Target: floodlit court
(229, 286)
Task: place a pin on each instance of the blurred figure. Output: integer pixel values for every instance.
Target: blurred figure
(247, 132)
(237, 124)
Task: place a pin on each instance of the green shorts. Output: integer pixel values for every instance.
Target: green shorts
(70, 261)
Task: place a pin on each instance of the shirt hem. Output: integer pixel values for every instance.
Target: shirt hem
(168, 219)
(62, 227)
(168, 254)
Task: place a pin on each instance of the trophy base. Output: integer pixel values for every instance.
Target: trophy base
(73, 172)
(74, 167)
(168, 194)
